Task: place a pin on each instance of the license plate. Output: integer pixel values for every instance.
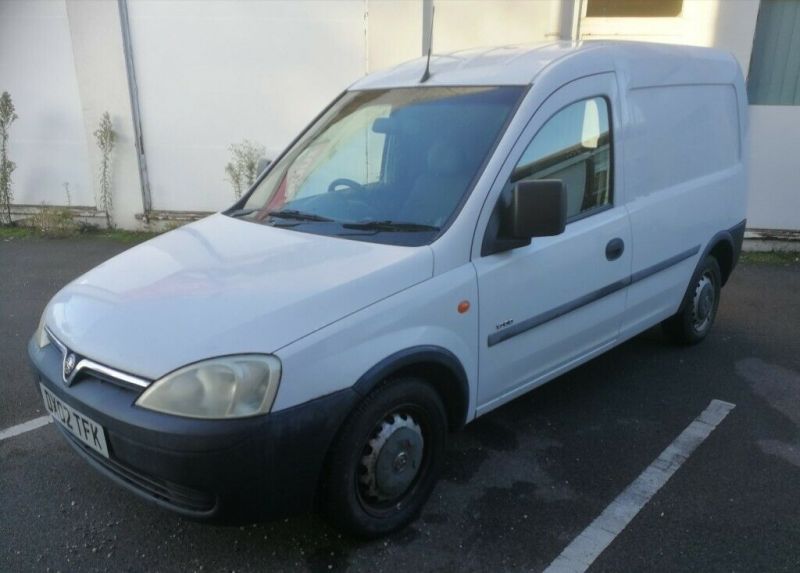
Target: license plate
(85, 429)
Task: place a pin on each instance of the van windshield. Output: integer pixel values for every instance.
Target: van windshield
(389, 166)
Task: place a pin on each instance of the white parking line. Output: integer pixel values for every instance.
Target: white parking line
(25, 427)
(588, 546)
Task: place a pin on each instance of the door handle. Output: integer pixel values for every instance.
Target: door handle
(614, 249)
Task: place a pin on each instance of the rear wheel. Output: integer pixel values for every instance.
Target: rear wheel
(693, 322)
(386, 459)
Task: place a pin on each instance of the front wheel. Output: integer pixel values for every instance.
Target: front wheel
(693, 322)
(386, 459)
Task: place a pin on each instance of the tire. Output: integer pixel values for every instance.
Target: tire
(386, 459)
(694, 320)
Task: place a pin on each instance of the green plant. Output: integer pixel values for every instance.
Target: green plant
(53, 221)
(7, 117)
(242, 170)
(81, 230)
(771, 257)
(65, 184)
(105, 137)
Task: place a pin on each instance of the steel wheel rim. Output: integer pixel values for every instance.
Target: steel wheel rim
(704, 303)
(374, 496)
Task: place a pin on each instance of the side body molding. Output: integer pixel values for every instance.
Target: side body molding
(534, 321)
(453, 386)
(732, 238)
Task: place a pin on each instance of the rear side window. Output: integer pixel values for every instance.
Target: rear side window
(575, 147)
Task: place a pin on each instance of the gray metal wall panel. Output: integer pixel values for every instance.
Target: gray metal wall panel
(774, 77)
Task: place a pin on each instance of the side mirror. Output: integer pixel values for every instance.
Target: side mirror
(538, 209)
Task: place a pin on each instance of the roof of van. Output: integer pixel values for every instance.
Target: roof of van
(646, 63)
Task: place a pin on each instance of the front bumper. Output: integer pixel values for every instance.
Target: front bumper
(223, 470)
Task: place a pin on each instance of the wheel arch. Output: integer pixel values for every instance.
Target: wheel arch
(723, 251)
(437, 365)
(725, 247)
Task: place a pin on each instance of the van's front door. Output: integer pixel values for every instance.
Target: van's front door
(560, 300)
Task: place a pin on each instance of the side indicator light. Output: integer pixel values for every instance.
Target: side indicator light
(463, 306)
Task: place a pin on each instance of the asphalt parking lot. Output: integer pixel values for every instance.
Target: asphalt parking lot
(520, 484)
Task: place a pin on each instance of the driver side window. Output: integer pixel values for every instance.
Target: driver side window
(574, 146)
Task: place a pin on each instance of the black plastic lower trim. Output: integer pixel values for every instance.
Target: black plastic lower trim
(737, 238)
(186, 501)
(554, 313)
(664, 265)
(458, 394)
(737, 234)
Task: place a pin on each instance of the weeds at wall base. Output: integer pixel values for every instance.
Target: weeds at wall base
(80, 230)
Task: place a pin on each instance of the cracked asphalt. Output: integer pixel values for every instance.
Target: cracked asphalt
(520, 483)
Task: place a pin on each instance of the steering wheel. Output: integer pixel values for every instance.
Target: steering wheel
(345, 184)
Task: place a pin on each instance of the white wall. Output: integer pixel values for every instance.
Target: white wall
(395, 27)
(394, 32)
(462, 24)
(210, 73)
(774, 201)
(725, 24)
(99, 63)
(214, 73)
(47, 142)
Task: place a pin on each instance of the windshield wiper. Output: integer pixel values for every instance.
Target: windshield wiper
(239, 212)
(390, 226)
(298, 215)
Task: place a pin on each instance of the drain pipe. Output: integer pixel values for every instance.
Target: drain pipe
(577, 21)
(133, 91)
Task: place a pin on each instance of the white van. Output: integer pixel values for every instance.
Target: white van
(426, 250)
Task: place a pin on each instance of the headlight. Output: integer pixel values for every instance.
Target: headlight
(42, 339)
(227, 387)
